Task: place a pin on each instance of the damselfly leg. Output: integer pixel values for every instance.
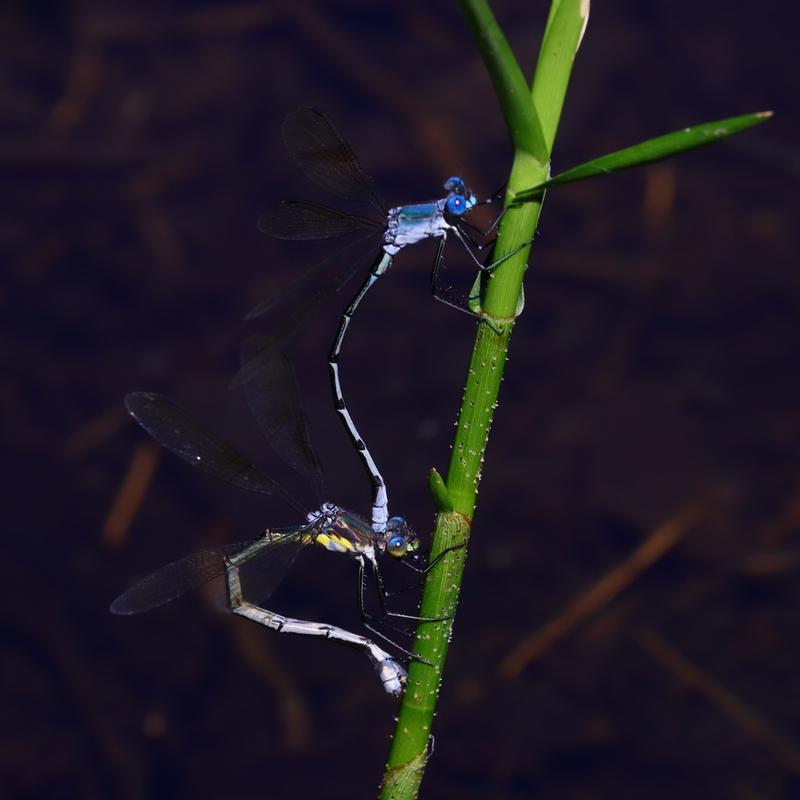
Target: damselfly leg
(421, 570)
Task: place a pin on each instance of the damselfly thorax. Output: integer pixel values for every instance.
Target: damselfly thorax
(341, 531)
(414, 223)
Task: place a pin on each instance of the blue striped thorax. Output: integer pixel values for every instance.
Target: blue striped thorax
(413, 223)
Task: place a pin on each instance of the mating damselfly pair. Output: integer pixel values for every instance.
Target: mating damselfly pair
(253, 569)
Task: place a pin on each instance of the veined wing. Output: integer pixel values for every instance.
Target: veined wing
(175, 579)
(303, 220)
(263, 568)
(274, 400)
(182, 434)
(308, 276)
(296, 319)
(326, 158)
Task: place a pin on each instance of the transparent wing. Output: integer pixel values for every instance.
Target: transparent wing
(303, 220)
(263, 570)
(326, 158)
(274, 400)
(174, 579)
(297, 318)
(272, 554)
(307, 277)
(183, 435)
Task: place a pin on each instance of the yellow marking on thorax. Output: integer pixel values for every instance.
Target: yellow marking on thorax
(333, 542)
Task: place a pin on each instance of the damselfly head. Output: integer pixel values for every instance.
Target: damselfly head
(400, 538)
(459, 200)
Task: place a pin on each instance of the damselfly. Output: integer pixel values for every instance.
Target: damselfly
(326, 158)
(274, 402)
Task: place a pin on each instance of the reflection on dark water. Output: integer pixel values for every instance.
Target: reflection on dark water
(655, 367)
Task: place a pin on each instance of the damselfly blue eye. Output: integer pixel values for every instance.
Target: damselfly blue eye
(395, 522)
(456, 205)
(396, 546)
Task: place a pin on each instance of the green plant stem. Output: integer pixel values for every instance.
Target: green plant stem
(440, 596)
(409, 750)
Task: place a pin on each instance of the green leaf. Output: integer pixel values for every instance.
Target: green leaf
(648, 151)
(441, 497)
(506, 75)
(563, 33)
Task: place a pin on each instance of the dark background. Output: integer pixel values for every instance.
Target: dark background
(656, 366)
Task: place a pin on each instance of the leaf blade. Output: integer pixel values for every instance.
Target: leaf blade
(648, 151)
